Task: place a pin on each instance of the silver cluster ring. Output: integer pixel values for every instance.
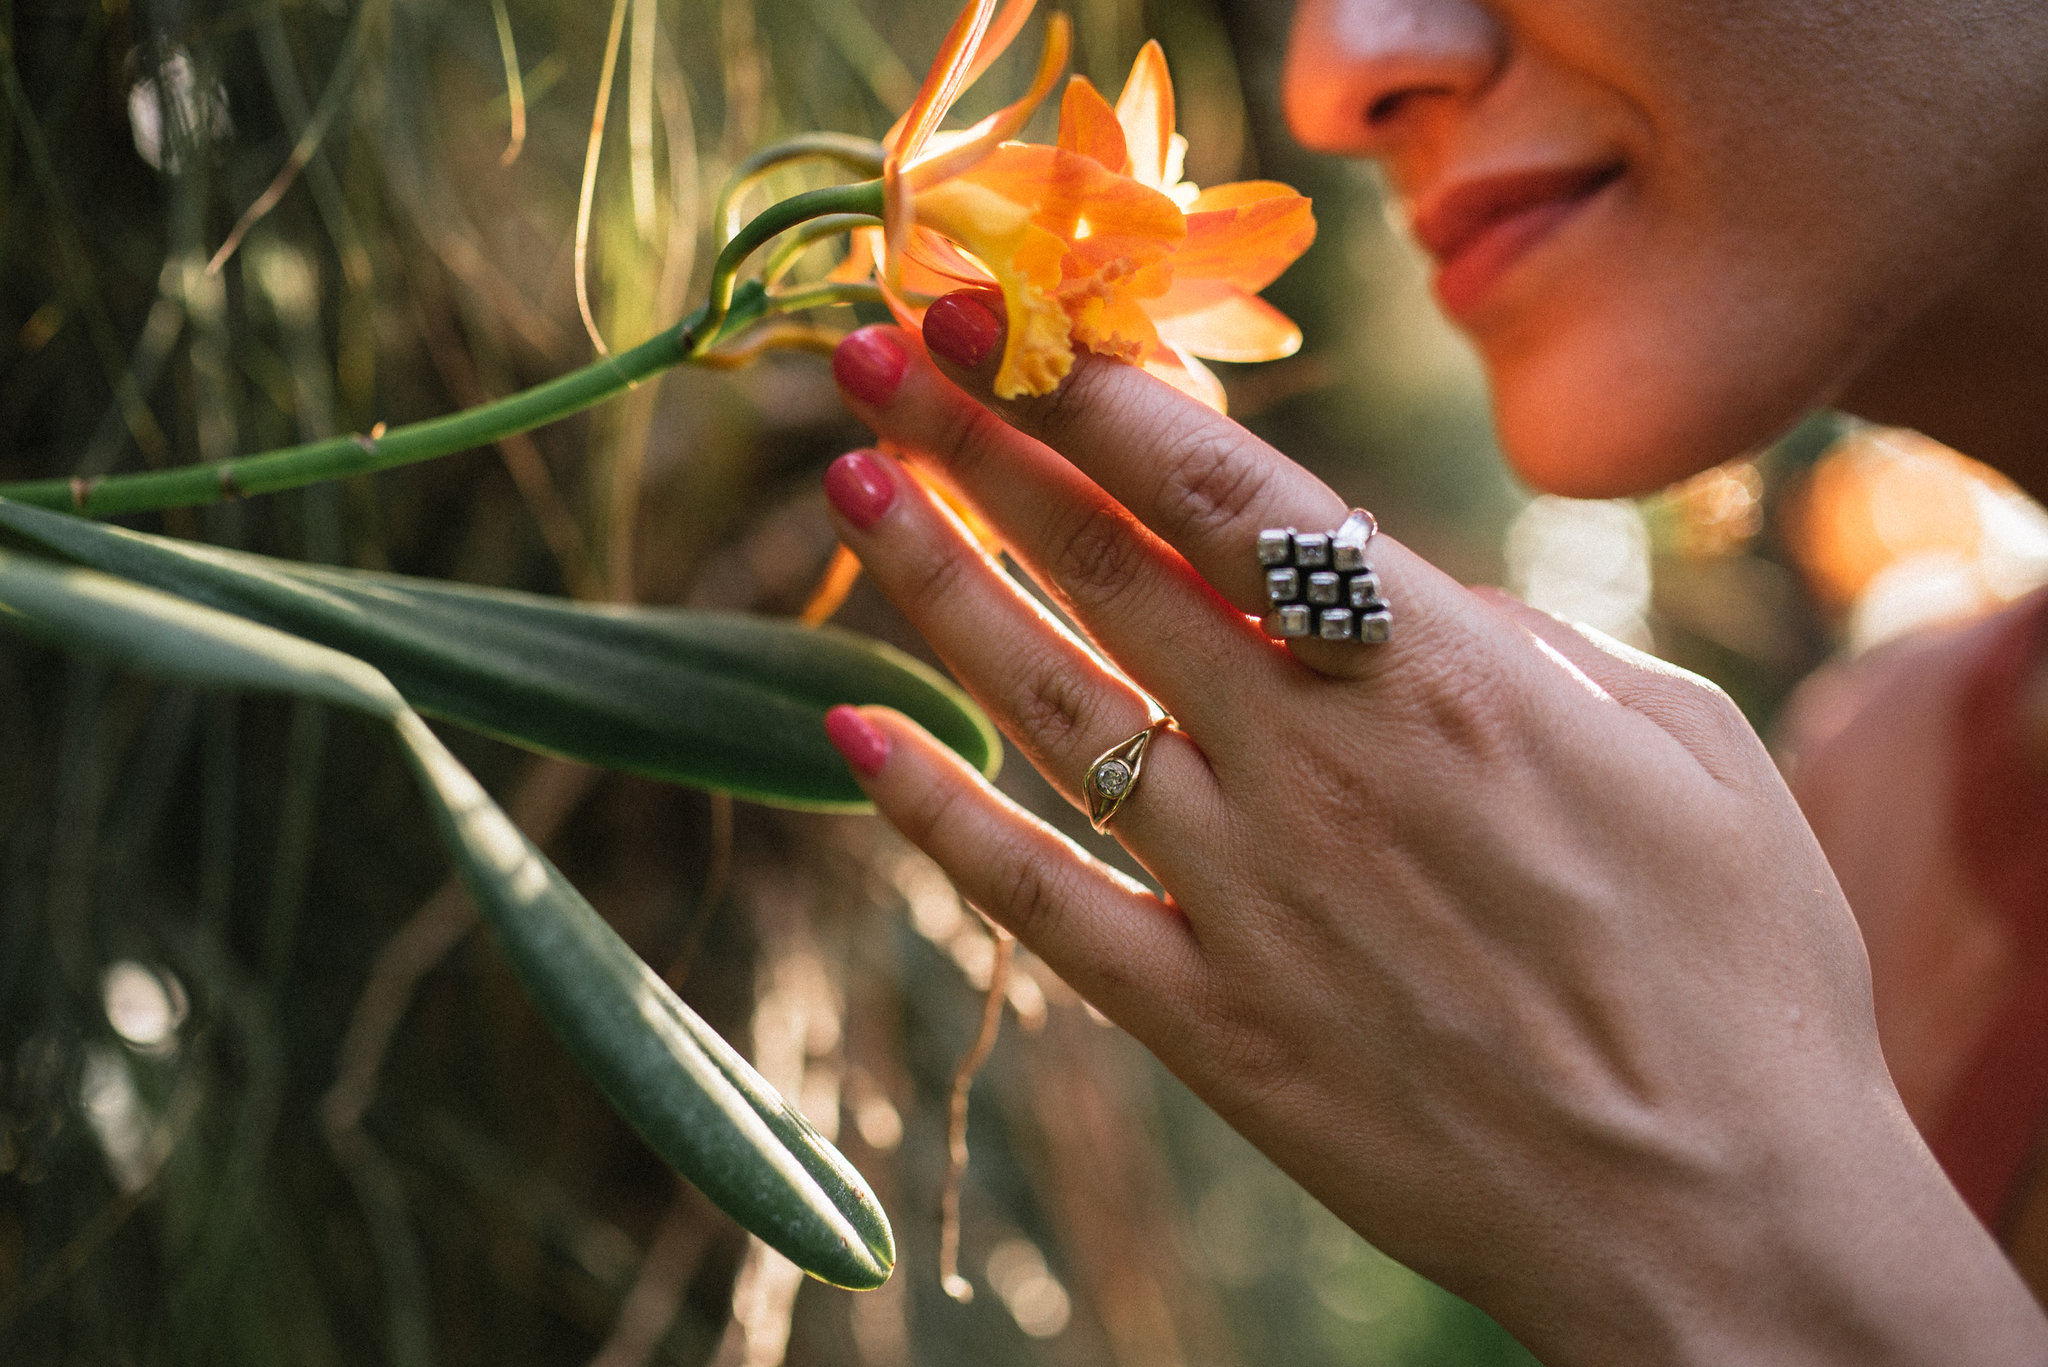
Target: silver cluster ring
(1318, 584)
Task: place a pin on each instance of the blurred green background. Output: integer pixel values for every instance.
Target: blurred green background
(265, 1095)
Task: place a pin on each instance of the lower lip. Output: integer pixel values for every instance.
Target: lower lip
(1463, 282)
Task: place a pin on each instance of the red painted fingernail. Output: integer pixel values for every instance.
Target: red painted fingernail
(869, 364)
(962, 328)
(858, 739)
(860, 487)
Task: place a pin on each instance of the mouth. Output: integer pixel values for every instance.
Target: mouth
(1478, 229)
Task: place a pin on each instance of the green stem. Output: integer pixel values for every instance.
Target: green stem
(729, 311)
(338, 457)
(862, 156)
(809, 235)
(824, 295)
(862, 198)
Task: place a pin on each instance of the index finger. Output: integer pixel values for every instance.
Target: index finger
(1203, 483)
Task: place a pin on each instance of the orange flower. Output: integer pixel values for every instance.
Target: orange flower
(1239, 236)
(1087, 240)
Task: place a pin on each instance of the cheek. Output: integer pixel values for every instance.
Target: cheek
(1656, 352)
(1706, 315)
(1801, 192)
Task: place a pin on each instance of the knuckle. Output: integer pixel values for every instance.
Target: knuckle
(1031, 897)
(1098, 558)
(1211, 483)
(1086, 401)
(936, 576)
(1468, 711)
(1054, 707)
(1251, 1063)
(971, 436)
(928, 821)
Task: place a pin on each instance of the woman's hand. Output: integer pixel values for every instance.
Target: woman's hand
(1505, 941)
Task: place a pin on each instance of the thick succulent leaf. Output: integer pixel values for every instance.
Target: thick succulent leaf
(712, 700)
(698, 1103)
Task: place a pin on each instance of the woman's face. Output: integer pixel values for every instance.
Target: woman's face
(1672, 226)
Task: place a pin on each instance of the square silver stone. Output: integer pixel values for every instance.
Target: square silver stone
(1287, 622)
(1324, 588)
(1283, 586)
(1337, 625)
(1312, 550)
(1363, 589)
(1375, 627)
(1347, 543)
(1274, 546)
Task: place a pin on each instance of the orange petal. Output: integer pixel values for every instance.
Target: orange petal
(1146, 111)
(932, 265)
(1249, 245)
(1024, 258)
(1005, 123)
(1088, 126)
(1110, 323)
(1235, 327)
(863, 257)
(946, 79)
(841, 572)
(1239, 193)
(1189, 376)
(1002, 31)
(1074, 197)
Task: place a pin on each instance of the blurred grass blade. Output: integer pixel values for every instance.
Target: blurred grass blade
(699, 1104)
(712, 700)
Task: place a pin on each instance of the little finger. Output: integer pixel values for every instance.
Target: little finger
(1114, 942)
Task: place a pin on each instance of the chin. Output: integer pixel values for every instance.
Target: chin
(1581, 448)
(1597, 420)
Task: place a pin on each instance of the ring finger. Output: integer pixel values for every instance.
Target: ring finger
(1060, 705)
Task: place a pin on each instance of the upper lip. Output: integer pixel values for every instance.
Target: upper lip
(1454, 218)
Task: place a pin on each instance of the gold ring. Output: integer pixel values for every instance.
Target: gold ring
(1114, 775)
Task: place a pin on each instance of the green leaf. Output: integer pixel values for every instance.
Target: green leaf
(712, 700)
(698, 1103)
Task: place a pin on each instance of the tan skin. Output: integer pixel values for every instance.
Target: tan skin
(1509, 944)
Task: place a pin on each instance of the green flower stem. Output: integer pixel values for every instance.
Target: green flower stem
(730, 310)
(863, 156)
(218, 481)
(862, 198)
(824, 295)
(797, 243)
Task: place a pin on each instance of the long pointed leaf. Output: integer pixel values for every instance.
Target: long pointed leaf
(713, 700)
(695, 1100)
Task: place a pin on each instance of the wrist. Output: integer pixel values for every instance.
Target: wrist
(1850, 1249)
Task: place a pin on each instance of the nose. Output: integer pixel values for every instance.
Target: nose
(1361, 73)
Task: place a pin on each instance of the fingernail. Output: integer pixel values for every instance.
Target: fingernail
(860, 488)
(858, 739)
(962, 328)
(869, 365)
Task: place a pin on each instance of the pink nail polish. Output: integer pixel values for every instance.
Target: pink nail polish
(962, 327)
(870, 364)
(860, 487)
(858, 739)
